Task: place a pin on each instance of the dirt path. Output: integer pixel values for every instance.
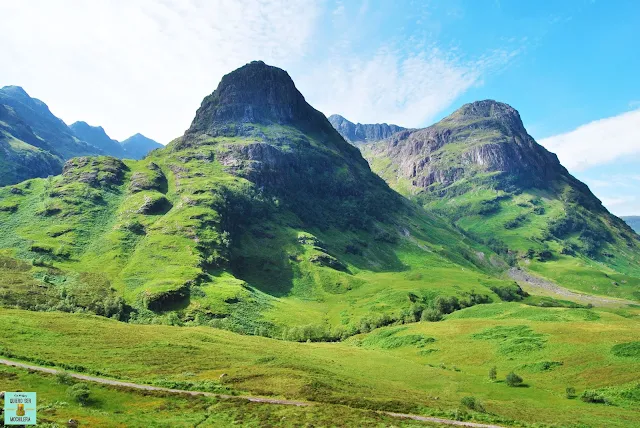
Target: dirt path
(244, 397)
(521, 276)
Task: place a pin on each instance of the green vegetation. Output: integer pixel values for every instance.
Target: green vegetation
(387, 368)
(80, 393)
(627, 350)
(513, 380)
(177, 239)
(487, 176)
(265, 258)
(117, 406)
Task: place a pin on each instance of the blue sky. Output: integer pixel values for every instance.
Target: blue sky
(570, 67)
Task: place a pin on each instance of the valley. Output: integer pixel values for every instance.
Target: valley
(459, 272)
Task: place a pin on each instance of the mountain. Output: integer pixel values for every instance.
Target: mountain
(480, 168)
(97, 137)
(358, 133)
(60, 139)
(633, 221)
(138, 146)
(260, 219)
(23, 155)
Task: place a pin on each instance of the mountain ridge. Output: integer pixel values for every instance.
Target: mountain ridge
(480, 168)
(259, 208)
(35, 143)
(358, 133)
(97, 137)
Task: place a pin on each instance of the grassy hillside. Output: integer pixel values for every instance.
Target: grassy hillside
(115, 406)
(142, 240)
(275, 227)
(479, 168)
(425, 368)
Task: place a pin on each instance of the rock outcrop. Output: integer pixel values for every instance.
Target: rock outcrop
(484, 136)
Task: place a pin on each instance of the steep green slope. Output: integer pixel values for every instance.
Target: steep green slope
(261, 219)
(22, 154)
(480, 168)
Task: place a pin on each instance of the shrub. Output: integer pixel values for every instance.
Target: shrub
(473, 404)
(513, 380)
(64, 378)
(431, 314)
(570, 392)
(493, 373)
(590, 396)
(80, 393)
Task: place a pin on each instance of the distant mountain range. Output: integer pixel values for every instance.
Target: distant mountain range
(358, 133)
(35, 143)
(633, 221)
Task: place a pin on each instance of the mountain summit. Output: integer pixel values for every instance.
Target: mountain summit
(255, 94)
(481, 137)
(97, 137)
(480, 168)
(260, 218)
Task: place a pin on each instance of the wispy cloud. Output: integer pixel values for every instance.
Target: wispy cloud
(598, 142)
(397, 86)
(143, 66)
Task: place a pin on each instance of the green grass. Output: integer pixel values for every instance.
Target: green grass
(117, 406)
(177, 238)
(422, 367)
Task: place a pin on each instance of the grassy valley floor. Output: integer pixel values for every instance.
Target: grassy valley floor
(423, 368)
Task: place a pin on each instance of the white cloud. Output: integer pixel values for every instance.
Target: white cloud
(395, 87)
(142, 66)
(598, 142)
(145, 66)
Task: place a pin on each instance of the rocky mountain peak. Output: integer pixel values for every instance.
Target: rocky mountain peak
(16, 91)
(255, 93)
(487, 114)
(358, 133)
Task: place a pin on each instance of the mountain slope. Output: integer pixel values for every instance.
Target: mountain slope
(97, 137)
(59, 137)
(633, 221)
(480, 167)
(138, 146)
(358, 133)
(260, 219)
(22, 154)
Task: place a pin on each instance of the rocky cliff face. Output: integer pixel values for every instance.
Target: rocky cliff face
(485, 136)
(252, 96)
(358, 133)
(481, 168)
(263, 130)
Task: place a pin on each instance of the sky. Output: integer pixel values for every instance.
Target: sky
(570, 68)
